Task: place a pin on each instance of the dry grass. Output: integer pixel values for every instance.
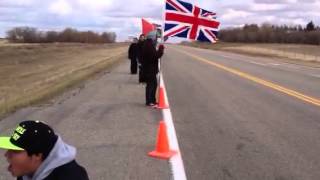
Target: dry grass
(308, 55)
(2, 42)
(30, 73)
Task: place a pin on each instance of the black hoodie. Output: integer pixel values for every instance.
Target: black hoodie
(59, 165)
(150, 57)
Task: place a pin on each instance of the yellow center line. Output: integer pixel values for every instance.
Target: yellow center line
(287, 91)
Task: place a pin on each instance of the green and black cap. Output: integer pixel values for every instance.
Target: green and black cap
(32, 136)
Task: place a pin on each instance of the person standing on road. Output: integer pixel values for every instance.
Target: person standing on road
(132, 54)
(140, 60)
(35, 152)
(150, 56)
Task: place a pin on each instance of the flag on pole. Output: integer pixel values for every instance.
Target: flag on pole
(151, 30)
(186, 20)
(147, 26)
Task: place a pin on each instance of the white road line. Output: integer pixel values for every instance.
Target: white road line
(315, 75)
(176, 161)
(274, 64)
(293, 66)
(228, 57)
(261, 64)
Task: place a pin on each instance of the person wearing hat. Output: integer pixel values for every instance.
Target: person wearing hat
(150, 56)
(35, 152)
(140, 60)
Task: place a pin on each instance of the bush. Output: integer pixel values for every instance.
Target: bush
(267, 33)
(32, 35)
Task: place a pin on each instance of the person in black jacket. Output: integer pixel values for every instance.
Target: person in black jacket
(132, 54)
(150, 56)
(140, 60)
(35, 152)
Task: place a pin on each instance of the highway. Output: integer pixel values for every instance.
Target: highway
(240, 117)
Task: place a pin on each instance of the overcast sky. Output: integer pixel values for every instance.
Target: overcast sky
(123, 16)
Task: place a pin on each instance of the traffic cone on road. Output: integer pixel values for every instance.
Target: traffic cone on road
(162, 150)
(161, 100)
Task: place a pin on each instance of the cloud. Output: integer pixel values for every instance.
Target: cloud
(274, 2)
(231, 14)
(267, 7)
(96, 5)
(60, 7)
(16, 3)
(308, 1)
(123, 16)
(274, 12)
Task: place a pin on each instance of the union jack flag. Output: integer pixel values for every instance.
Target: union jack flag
(185, 20)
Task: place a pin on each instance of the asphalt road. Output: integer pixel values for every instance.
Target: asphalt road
(231, 127)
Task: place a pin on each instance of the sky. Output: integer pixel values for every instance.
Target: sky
(124, 16)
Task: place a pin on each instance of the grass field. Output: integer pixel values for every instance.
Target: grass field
(2, 41)
(31, 73)
(308, 55)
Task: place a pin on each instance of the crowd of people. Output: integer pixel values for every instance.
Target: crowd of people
(144, 57)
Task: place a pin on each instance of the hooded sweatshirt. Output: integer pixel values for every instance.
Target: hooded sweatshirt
(61, 154)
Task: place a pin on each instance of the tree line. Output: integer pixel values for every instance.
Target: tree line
(267, 33)
(32, 35)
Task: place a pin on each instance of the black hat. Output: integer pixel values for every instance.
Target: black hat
(32, 136)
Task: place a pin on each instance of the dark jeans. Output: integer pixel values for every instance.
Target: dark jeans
(134, 66)
(142, 77)
(151, 89)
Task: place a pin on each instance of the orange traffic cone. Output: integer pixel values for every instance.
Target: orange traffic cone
(162, 150)
(162, 101)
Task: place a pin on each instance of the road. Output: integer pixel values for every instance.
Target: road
(232, 123)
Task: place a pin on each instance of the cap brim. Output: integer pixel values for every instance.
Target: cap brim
(6, 144)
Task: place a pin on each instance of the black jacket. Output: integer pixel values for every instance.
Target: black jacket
(132, 52)
(150, 57)
(69, 171)
(139, 51)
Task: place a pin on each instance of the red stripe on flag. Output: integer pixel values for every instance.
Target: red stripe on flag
(191, 20)
(194, 29)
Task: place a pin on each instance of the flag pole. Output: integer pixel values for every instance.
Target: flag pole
(162, 40)
(163, 22)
